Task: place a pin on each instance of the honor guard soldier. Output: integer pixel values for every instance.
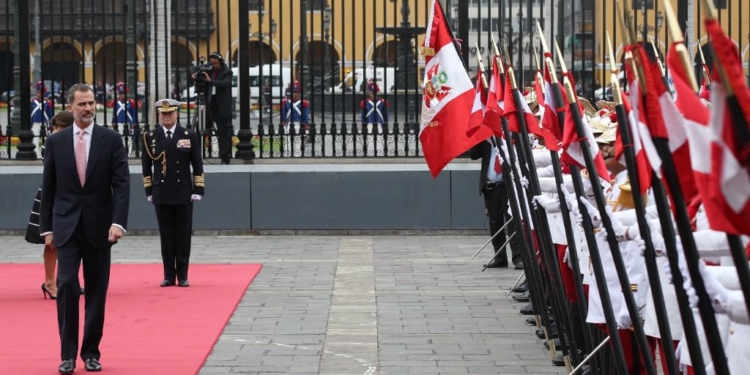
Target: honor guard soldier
(295, 110)
(41, 110)
(374, 110)
(124, 109)
(170, 152)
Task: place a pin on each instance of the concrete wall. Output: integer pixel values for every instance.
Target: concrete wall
(297, 197)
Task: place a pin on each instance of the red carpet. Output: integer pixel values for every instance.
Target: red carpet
(148, 330)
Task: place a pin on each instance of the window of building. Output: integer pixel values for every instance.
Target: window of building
(316, 5)
(638, 4)
(720, 4)
(255, 5)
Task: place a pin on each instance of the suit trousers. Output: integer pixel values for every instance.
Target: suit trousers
(175, 232)
(496, 203)
(96, 269)
(223, 132)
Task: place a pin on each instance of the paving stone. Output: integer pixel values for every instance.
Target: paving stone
(354, 305)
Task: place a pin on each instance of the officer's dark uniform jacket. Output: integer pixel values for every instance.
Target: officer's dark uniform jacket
(171, 182)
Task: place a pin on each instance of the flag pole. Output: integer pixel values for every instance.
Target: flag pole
(539, 220)
(662, 318)
(742, 143)
(581, 302)
(588, 226)
(536, 286)
(575, 173)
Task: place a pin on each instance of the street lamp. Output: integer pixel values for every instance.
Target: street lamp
(273, 28)
(326, 30)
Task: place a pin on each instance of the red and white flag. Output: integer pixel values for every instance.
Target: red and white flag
(572, 150)
(495, 106)
(448, 97)
(548, 116)
(723, 184)
(511, 111)
(476, 120)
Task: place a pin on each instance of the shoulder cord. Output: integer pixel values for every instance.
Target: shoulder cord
(161, 156)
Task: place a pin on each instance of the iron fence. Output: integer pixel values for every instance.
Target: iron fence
(331, 47)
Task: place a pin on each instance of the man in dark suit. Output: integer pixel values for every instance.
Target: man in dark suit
(84, 211)
(493, 189)
(170, 151)
(219, 97)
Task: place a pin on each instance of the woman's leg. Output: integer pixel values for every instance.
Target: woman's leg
(50, 259)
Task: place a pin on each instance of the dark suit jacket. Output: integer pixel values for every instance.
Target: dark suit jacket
(184, 151)
(482, 150)
(223, 97)
(104, 199)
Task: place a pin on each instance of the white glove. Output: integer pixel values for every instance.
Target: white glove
(617, 227)
(592, 211)
(551, 205)
(195, 198)
(717, 292)
(710, 369)
(150, 198)
(682, 265)
(566, 258)
(623, 320)
(677, 352)
(524, 182)
(570, 199)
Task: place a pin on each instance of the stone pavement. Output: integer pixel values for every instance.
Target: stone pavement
(356, 305)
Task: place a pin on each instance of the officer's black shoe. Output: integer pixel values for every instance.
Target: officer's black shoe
(183, 283)
(557, 344)
(520, 288)
(518, 265)
(558, 360)
(166, 283)
(552, 332)
(527, 310)
(523, 297)
(531, 321)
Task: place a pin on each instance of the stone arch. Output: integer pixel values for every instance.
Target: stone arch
(386, 53)
(110, 62)
(62, 62)
(101, 43)
(319, 54)
(64, 39)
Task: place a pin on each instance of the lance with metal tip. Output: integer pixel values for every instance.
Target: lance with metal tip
(660, 64)
(649, 255)
(481, 67)
(742, 144)
(540, 223)
(517, 281)
(556, 98)
(596, 261)
(531, 268)
(704, 67)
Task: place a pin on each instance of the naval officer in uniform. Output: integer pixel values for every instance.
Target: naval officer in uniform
(171, 151)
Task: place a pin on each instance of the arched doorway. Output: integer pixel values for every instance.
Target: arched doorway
(62, 63)
(7, 62)
(110, 63)
(182, 61)
(386, 54)
(323, 63)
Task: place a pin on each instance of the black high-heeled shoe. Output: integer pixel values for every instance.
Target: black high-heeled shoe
(46, 292)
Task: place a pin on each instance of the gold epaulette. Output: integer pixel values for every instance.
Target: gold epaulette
(147, 181)
(199, 181)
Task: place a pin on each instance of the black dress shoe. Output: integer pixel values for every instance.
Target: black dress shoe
(166, 283)
(92, 364)
(518, 265)
(520, 288)
(183, 283)
(557, 344)
(83, 291)
(494, 264)
(527, 310)
(558, 360)
(67, 366)
(523, 297)
(531, 321)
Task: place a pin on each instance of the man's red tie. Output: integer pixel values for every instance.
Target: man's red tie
(498, 166)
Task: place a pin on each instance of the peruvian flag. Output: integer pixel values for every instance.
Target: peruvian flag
(739, 119)
(572, 150)
(532, 126)
(448, 97)
(723, 184)
(476, 121)
(495, 96)
(548, 116)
